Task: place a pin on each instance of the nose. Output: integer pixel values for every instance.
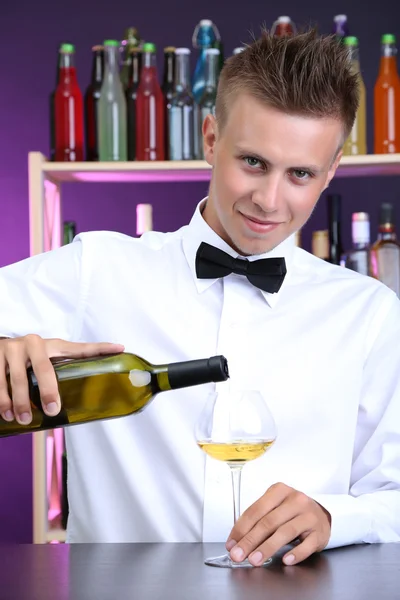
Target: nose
(267, 194)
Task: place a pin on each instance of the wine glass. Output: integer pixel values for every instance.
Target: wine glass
(235, 427)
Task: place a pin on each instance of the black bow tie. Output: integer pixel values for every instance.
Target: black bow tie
(266, 273)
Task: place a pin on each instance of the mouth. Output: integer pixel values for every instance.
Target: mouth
(259, 226)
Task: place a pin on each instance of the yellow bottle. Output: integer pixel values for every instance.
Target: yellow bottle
(356, 143)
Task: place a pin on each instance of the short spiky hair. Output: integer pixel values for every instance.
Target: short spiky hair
(305, 74)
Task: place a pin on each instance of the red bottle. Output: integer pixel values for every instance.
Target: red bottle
(150, 110)
(68, 110)
(283, 26)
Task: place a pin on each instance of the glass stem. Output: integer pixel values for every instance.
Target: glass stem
(236, 473)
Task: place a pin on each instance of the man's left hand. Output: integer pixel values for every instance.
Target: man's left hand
(279, 517)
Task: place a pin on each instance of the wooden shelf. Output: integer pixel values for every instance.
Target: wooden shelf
(192, 170)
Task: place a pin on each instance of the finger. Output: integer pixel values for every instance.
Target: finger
(16, 357)
(5, 400)
(265, 527)
(283, 536)
(45, 375)
(81, 349)
(272, 498)
(303, 550)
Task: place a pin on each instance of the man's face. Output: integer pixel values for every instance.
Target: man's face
(269, 169)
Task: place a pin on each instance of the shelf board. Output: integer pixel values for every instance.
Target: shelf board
(194, 170)
(149, 171)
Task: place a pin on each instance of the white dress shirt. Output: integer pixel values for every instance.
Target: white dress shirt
(324, 351)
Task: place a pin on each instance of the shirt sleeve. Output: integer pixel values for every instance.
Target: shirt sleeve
(43, 294)
(371, 511)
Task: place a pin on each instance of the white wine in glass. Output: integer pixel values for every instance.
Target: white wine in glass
(235, 427)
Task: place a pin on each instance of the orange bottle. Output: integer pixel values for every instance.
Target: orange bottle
(387, 100)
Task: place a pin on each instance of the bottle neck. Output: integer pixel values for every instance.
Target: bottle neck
(387, 231)
(182, 72)
(360, 234)
(67, 72)
(169, 61)
(149, 60)
(192, 372)
(388, 63)
(67, 61)
(98, 67)
(135, 67)
(111, 57)
(211, 70)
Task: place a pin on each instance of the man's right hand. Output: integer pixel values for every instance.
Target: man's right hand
(31, 350)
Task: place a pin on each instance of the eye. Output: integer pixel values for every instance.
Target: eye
(252, 162)
(301, 174)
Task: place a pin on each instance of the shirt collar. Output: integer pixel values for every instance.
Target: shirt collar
(199, 231)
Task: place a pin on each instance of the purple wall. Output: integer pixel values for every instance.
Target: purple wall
(31, 33)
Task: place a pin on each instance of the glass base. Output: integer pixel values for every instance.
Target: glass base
(226, 562)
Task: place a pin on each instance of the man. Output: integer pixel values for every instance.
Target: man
(322, 347)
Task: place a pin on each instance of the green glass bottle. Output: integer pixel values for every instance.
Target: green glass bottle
(112, 123)
(111, 386)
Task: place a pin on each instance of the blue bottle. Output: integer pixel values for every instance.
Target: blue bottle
(204, 36)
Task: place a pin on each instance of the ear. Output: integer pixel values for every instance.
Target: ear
(333, 168)
(210, 136)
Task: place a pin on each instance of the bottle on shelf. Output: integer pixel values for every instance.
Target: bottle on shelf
(69, 232)
(283, 26)
(340, 27)
(204, 36)
(207, 101)
(131, 95)
(387, 100)
(358, 257)
(334, 202)
(218, 45)
(92, 96)
(106, 387)
(131, 40)
(356, 143)
(180, 110)
(144, 219)
(385, 252)
(52, 152)
(68, 109)
(320, 244)
(112, 126)
(168, 90)
(150, 115)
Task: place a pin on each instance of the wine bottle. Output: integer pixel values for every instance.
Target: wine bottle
(106, 387)
(335, 239)
(385, 252)
(358, 257)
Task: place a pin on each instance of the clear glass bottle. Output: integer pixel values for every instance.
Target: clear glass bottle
(385, 252)
(112, 108)
(207, 101)
(356, 143)
(358, 257)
